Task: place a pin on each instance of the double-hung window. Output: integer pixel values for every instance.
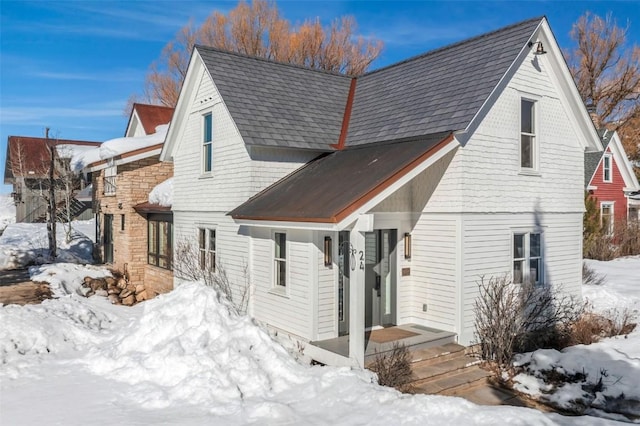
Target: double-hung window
(280, 260)
(528, 143)
(606, 168)
(606, 217)
(527, 258)
(207, 143)
(159, 240)
(207, 248)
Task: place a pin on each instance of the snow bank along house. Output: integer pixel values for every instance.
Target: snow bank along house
(609, 177)
(133, 235)
(27, 169)
(380, 201)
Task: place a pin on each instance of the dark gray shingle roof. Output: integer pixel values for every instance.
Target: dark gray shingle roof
(277, 104)
(437, 91)
(592, 159)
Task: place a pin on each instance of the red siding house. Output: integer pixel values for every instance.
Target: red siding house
(609, 177)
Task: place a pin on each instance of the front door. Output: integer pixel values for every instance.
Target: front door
(108, 238)
(380, 278)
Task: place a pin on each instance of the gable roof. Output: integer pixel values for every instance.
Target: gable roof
(276, 104)
(612, 144)
(150, 116)
(437, 91)
(34, 153)
(334, 185)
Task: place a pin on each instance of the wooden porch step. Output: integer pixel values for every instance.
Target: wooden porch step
(428, 370)
(452, 382)
(436, 354)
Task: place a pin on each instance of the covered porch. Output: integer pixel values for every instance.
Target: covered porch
(382, 340)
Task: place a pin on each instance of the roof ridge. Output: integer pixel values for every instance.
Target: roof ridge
(453, 45)
(152, 105)
(53, 139)
(271, 61)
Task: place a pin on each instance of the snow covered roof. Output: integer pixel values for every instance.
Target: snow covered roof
(162, 194)
(118, 147)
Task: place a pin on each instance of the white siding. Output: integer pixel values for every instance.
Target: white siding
(488, 253)
(290, 309)
(433, 273)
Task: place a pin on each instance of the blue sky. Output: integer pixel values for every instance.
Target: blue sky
(71, 65)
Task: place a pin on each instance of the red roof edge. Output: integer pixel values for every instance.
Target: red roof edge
(346, 117)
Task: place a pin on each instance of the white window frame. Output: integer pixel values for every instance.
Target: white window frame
(207, 254)
(279, 260)
(607, 166)
(526, 259)
(533, 136)
(207, 144)
(610, 204)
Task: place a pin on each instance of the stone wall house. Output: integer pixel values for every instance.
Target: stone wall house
(133, 235)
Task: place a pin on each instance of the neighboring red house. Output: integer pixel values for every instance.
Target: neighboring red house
(609, 177)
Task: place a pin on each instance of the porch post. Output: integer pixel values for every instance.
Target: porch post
(363, 224)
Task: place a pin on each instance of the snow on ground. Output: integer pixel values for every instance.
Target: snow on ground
(118, 146)
(616, 360)
(7, 211)
(24, 244)
(185, 358)
(162, 194)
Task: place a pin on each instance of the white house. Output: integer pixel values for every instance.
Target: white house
(378, 201)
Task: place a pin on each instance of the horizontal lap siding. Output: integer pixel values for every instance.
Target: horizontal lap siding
(488, 245)
(291, 312)
(433, 271)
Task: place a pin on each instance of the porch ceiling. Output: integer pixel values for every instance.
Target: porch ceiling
(334, 185)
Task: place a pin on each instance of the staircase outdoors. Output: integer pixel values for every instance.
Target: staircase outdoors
(76, 209)
(446, 370)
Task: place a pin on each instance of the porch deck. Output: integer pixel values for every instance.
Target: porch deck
(413, 336)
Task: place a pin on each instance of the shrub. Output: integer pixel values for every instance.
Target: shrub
(514, 318)
(186, 266)
(394, 368)
(624, 241)
(591, 277)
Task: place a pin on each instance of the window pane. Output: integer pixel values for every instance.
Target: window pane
(162, 237)
(202, 238)
(534, 243)
(526, 151)
(212, 240)
(281, 273)
(281, 249)
(518, 246)
(526, 117)
(517, 271)
(534, 270)
(207, 157)
(607, 168)
(208, 128)
(151, 239)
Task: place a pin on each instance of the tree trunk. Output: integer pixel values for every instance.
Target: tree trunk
(51, 223)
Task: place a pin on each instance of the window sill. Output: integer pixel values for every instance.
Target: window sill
(206, 176)
(529, 172)
(279, 291)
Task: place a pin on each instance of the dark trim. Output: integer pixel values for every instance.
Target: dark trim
(346, 117)
(148, 208)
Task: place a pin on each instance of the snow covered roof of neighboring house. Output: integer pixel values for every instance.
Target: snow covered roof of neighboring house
(121, 147)
(334, 185)
(35, 154)
(150, 116)
(162, 194)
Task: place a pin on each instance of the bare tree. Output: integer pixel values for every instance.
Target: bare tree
(607, 73)
(258, 29)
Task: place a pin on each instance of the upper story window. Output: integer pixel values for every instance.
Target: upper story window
(528, 143)
(110, 180)
(606, 168)
(207, 248)
(280, 259)
(527, 258)
(207, 143)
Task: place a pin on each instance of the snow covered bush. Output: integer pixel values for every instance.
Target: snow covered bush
(394, 368)
(591, 277)
(511, 318)
(192, 264)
